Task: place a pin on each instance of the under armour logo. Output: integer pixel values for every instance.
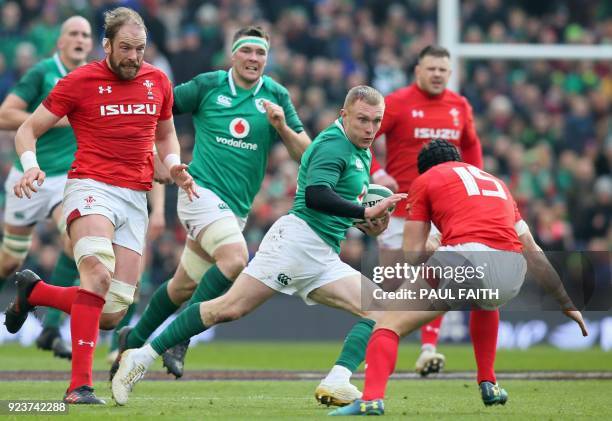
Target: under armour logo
(102, 89)
(418, 113)
(82, 342)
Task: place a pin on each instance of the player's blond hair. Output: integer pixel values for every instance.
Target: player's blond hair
(363, 93)
(116, 18)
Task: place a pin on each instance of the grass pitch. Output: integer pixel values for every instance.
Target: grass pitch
(425, 399)
(434, 399)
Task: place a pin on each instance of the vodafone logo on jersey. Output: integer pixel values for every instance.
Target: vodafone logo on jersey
(239, 128)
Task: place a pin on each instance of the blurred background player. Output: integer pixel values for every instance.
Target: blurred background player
(237, 114)
(119, 108)
(415, 115)
(55, 151)
(479, 223)
(300, 253)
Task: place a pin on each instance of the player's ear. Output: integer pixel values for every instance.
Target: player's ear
(106, 44)
(343, 113)
(60, 43)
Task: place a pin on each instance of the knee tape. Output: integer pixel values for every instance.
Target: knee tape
(119, 297)
(195, 266)
(220, 232)
(100, 247)
(16, 246)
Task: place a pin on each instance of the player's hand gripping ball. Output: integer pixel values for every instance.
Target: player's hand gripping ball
(375, 194)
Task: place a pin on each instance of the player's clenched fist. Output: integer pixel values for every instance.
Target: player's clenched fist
(275, 114)
(31, 179)
(184, 180)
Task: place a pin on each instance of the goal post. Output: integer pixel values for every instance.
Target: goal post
(449, 36)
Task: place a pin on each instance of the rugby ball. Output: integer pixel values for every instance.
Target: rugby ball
(375, 194)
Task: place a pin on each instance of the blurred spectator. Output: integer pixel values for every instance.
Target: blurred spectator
(10, 30)
(192, 58)
(45, 32)
(598, 215)
(25, 57)
(7, 78)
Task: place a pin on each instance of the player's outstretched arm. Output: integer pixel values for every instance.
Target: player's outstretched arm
(546, 276)
(32, 128)
(296, 143)
(414, 243)
(169, 152)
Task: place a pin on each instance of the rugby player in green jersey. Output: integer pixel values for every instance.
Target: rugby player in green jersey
(300, 253)
(237, 115)
(55, 155)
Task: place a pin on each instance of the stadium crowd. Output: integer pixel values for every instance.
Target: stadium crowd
(545, 126)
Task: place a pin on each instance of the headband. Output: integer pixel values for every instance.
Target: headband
(259, 42)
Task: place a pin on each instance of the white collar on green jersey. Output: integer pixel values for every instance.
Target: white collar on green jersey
(60, 65)
(232, 86)
(339, 124)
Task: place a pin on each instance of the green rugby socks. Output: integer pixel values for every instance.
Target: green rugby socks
(355, 344)
(159, 309)
(212, 285)
(187, 324)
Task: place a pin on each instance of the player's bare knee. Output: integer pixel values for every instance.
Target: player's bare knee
(181, 288)
(109, 321)
(232, 264)
(225, 315)
(94, 275)
(223, 240)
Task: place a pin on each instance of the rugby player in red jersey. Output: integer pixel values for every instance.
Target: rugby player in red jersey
(481, 227)
(415, 115)
(119, 108)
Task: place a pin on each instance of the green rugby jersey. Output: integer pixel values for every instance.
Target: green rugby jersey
(332, 160)
(54, 149)
(232, 134)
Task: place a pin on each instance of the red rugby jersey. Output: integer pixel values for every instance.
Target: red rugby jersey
(467, 205)
(413, 118)
(114, 121)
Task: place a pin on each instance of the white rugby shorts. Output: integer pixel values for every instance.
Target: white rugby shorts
(202, 211)
(294, 260)
(125, 208)
(503, 272)
(24, 212)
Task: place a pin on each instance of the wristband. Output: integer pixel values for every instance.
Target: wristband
(171, 160)
(28, 160)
